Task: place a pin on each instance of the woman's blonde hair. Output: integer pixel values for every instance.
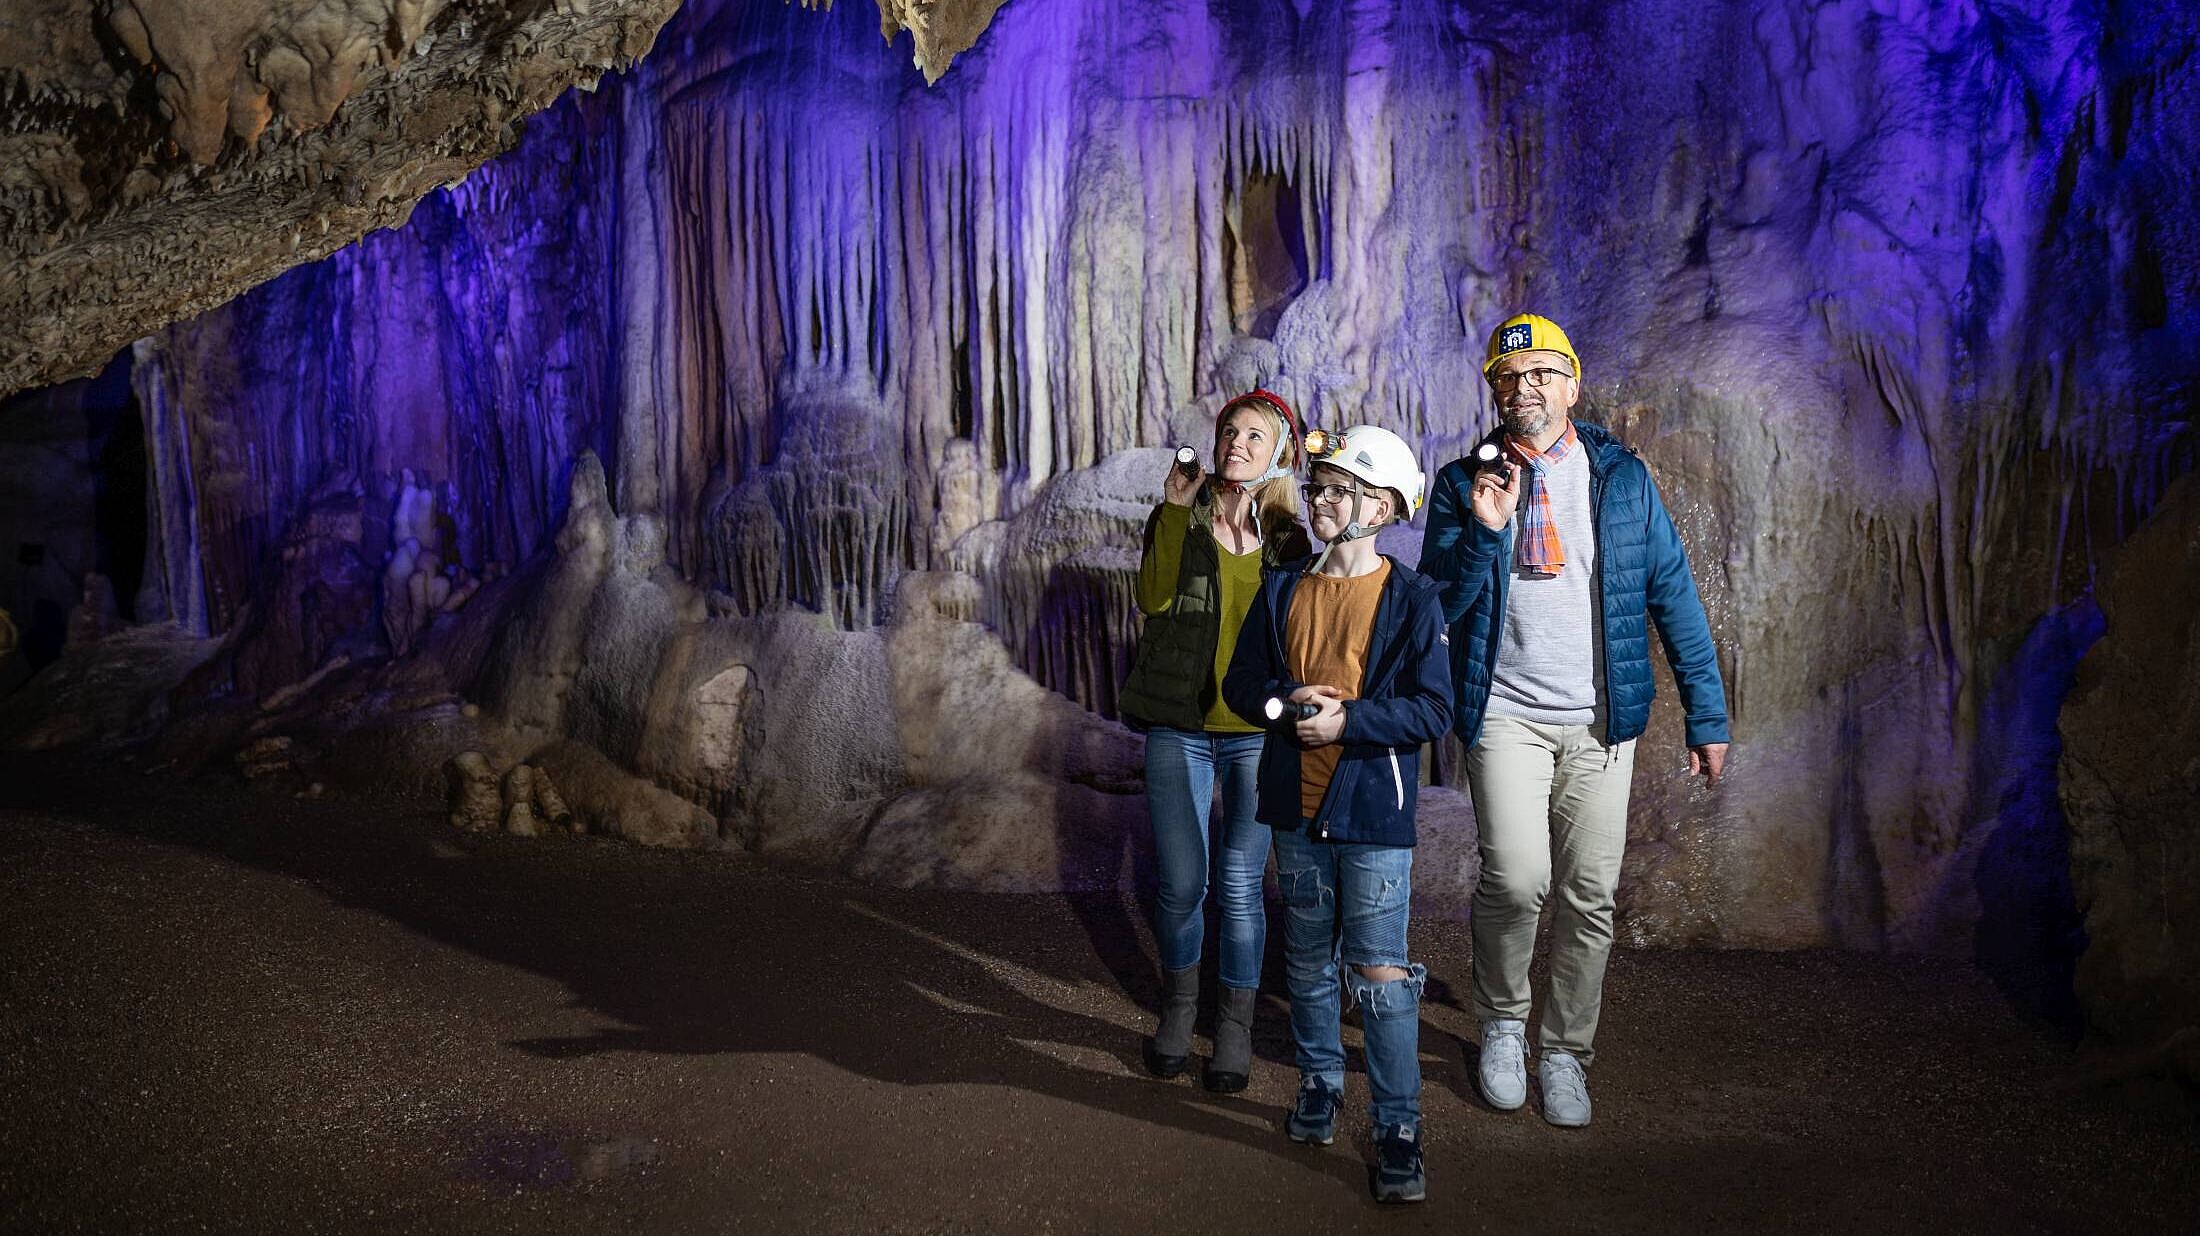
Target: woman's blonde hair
(1276, 500)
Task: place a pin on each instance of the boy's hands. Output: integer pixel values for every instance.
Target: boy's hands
(1323, 727)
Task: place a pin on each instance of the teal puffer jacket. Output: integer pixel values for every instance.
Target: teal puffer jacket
(1642, 576)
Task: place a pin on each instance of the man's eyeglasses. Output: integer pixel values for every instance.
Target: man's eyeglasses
(1537, 378)
(1317, 494)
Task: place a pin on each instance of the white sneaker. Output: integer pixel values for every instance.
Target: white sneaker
(1565, 1090)
(1504, 1072)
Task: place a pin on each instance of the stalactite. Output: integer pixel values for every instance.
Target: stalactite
(175, 585)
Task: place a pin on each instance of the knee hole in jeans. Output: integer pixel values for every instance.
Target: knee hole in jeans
(1380, 997)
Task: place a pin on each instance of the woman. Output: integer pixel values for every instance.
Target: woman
(1205, 547)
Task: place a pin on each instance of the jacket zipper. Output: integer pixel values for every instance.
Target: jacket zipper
(1596, 530)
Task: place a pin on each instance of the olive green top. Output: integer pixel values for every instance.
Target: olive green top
(1240, 575)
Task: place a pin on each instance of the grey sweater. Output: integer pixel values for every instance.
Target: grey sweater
(1550, 660)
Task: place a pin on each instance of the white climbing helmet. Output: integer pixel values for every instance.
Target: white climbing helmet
(1376, 456)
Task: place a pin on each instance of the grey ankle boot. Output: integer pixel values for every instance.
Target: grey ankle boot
(1228, 1072)
(1171, 1045)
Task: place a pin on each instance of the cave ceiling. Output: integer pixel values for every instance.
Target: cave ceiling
(160, 157)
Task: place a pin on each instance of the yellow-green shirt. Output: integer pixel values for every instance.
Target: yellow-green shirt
(1239, 576)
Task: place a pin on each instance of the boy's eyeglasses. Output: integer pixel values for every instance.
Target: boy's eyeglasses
(1537, 378)
(1320, 493)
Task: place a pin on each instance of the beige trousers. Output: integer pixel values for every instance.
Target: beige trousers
(1548, 800)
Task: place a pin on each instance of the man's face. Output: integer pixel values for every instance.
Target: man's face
(1329, 507)
(1526, 409)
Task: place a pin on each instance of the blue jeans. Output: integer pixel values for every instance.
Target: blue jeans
(1347, 904)
(1181, 769)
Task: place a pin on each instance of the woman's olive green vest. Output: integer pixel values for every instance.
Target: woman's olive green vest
(1172, 681)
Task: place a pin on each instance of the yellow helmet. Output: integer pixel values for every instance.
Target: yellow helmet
(1528, 332)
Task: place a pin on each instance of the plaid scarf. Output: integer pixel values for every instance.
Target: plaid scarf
(1541, 550)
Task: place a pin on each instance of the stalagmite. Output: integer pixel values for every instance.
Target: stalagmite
(475, 804)
(520, 819)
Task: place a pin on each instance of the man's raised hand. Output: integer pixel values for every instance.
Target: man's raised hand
(1495, 496)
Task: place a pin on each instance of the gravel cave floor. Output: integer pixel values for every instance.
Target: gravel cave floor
(225, 1009)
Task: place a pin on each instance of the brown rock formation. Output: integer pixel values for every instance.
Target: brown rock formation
(147, 185)
(940, 29)
(159, 157)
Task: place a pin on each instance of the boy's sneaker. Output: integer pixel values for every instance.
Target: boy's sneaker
(1313, 1118)
(1504, 1071)
(1565, 1090)
(1398, 1175)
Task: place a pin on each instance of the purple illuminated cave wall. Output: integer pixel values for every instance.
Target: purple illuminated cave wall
(472, 349)
(1901, 302)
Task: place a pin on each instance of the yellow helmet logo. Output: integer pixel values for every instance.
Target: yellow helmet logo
(1528, 332)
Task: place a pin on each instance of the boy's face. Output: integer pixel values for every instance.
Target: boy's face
(1329, 502)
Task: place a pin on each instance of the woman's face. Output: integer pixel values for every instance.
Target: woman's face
(1244, 445)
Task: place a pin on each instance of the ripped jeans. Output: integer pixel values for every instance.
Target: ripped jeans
(1345, 906)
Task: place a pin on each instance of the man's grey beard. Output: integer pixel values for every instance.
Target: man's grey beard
(1526, 421)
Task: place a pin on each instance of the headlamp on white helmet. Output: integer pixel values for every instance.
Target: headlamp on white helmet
(1375, 457)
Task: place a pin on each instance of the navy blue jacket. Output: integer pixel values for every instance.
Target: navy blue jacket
(1404, 702)
(1642, 577)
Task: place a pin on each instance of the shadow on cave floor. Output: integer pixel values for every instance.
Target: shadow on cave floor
(224, 1006)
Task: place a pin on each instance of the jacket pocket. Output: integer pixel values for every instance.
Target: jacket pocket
(1397, 780)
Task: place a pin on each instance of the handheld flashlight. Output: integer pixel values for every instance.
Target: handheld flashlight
(1187, 462)
(1488, 458)
(1278, 708)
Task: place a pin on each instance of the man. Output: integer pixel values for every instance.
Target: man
(1342, 656)
(1553, 556)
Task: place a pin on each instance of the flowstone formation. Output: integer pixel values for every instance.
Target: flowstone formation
(1900, 303)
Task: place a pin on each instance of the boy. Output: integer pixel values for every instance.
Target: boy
(1343, 655)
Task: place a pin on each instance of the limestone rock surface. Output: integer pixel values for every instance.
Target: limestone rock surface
(2130, 782)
